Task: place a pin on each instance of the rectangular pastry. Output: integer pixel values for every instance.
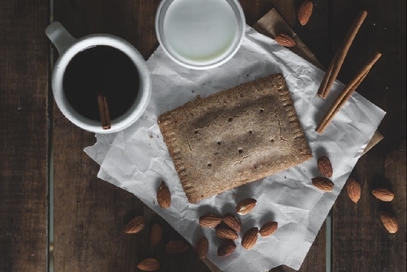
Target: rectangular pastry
(233, 137)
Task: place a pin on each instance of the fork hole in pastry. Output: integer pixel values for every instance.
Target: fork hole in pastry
(240, 150)
(219, 143)
(230, 119)
(209, 164)
(272, 140)
(261, 110)
(196, 131)
(250, 131)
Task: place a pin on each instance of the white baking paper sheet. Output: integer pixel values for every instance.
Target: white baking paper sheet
(137, 159)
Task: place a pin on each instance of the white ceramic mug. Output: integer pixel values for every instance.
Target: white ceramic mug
(68, 47)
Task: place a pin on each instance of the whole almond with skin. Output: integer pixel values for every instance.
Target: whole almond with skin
(149, 264)
(176, 247)
(202, 247)
(226, 248)
(164, 196)
(250, 238)
(354, 190)
(210, 220)
(135, 225)
(389, 222)
(156, 234)
(304, 11)
(246, 205)
(285, 40)
(322, 183)
(224, 232)
(233, 222)
(325, 166)
(383, 194)
(268, 228)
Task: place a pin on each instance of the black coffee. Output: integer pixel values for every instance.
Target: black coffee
(105, 70)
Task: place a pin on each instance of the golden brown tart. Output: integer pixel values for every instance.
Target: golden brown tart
(233, 137)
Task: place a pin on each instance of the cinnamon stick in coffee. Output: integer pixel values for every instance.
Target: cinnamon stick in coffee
(104, 111)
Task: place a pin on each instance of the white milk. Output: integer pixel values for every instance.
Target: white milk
(200, 30)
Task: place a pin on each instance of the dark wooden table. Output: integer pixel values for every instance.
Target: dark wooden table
(81, 227)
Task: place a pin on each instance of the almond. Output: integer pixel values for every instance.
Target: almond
(156, 234)
(164, 196)
(149, 264)
(224, 232)
(250, 238)
(135, 225)
(226, 248)
(233, 222)
(389, 222)
(176, 247)
(202, 247)
(383, 194)
(304, 12)
(322, 183)
(285, 40)
(268, 228)
(353, 189)
(210, 220)
(325, 166)
(246, 205)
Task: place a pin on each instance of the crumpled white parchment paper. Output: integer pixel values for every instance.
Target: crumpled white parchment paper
(137, 159)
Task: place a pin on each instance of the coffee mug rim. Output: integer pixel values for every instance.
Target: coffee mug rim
(140, 103)
(241, 22)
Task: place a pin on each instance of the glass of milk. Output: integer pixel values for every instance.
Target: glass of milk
(200, 34)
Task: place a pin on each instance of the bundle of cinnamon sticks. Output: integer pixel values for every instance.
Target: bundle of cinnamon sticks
(334, 68)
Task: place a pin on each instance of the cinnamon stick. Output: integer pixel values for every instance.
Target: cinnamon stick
(347, 92)
(104, 111)
(337, 61)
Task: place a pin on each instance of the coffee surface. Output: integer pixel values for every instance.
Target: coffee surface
(105, 70)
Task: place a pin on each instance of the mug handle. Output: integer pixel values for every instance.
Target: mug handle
(59, 36)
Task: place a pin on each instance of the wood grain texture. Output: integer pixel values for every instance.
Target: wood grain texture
(90, 214)
(315, 37)
(23, 135)
(360, 241)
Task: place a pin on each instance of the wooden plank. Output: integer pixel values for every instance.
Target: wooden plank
(360, 242)
(89, 213)
(314, 35)
(23, 135)
(314, 31)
